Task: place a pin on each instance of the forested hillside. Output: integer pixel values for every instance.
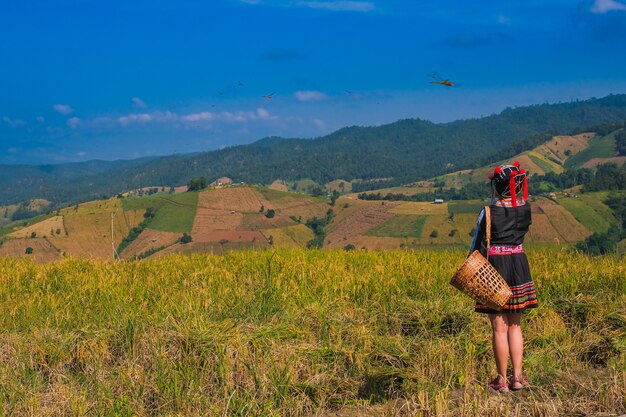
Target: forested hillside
(399, 152)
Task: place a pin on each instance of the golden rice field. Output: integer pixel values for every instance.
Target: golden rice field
(294, 333)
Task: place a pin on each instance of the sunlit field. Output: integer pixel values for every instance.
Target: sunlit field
(296, 332)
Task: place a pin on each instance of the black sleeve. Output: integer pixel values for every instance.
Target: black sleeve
(480, 233)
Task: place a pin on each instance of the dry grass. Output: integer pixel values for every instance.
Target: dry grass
(594, 162)
(557, 146)
(88, 229)
(295, 332)
(430, 209)
(353, 222)
(231, 236)
(43, 251)
(232, 198)
(295, 236)
(554, 224)
(278, 185)
(149, 239)
(48, 227)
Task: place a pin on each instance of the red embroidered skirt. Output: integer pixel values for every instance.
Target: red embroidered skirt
(512, 264)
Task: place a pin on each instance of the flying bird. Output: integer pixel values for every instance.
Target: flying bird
(269, 96)
(437, 80)
(447, 83)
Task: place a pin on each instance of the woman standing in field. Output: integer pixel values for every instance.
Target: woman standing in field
(510, 219)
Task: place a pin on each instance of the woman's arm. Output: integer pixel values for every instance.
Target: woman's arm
(479, 234)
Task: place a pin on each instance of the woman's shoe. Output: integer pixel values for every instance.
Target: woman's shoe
(498, 385)
(519, 383)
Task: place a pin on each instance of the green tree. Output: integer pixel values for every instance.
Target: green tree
(197, 184)
(317, 191)
(28, 250)
(185, 238)
(149, 214)
(270, 213)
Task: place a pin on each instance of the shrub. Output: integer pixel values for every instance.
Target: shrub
(185, 238)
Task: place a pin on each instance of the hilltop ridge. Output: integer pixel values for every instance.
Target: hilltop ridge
(400, 152)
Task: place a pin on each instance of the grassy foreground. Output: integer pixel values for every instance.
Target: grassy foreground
(297, 332)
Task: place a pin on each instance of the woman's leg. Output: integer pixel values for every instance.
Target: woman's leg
(516, 343)
(500, 342)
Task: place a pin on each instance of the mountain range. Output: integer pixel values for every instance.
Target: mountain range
(395, 153)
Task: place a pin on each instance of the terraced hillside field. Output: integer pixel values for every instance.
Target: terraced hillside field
(42, 249)
(173, 212)
(553, 224)
(551, 156)
(351, 226)
(83, 230)
(590, 210)
(148, 240)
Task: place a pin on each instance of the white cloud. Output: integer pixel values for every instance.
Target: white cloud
(319, 123)
(135, 118)
(41, 119)
(342, 5)
(81, 153)
(63, 109)
(263, 113)
(604, 6)
(310, 95)
(138, 103)
(13, 123)
(74, 122)
(198, 117)
(333, 5)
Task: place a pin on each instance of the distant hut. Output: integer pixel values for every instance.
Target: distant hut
(438, 201)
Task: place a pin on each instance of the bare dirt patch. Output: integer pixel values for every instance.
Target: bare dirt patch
(230, 236)
(359, 222)
(259, 221)
(232, 198)
(42, 250)
(149, 239)
(431, 209)
(278, 185)
(181, 189)
(209, 247)
(209, 220)
(594, 162)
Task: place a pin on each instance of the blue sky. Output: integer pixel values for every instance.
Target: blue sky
(119, 79)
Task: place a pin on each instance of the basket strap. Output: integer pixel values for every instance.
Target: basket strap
(488, 220)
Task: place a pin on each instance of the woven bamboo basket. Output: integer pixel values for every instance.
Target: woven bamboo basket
(480, 280)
